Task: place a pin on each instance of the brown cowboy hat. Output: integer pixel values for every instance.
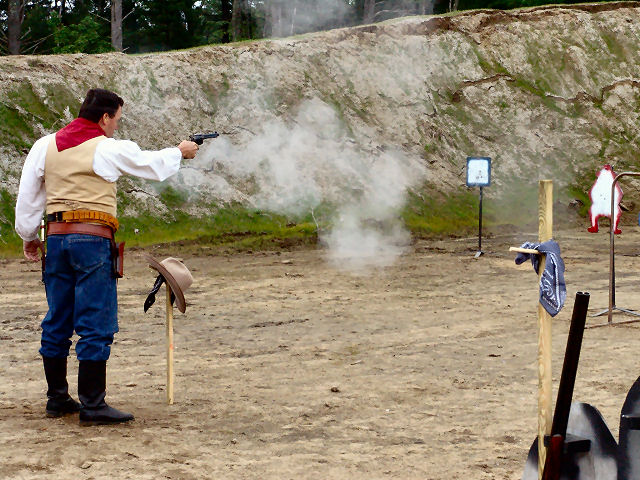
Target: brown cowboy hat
(177, 276)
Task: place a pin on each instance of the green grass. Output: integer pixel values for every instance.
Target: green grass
(548, 102)
(14, 129)
(173, 198)
(613, 45)
(457, 214)
(236, 228)
(10, 242)
(581, 194)
(441, 216)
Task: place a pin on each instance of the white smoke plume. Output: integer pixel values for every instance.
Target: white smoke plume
(292, 166)
(290, 17)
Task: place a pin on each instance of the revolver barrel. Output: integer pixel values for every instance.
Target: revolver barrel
(199, 138)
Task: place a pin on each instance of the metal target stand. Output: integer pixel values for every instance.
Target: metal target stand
(479, 175)
(612, 277)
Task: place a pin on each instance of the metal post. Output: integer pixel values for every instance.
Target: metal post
(480, 224)
(480, 252)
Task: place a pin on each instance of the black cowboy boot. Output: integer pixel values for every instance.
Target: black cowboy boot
(59, 402)
(92, 390)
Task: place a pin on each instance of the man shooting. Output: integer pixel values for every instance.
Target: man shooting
(72, 175)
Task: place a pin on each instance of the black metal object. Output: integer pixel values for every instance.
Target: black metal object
(199, 138)
(581, 446)
(480, 252)
(629, 435)
(570, 366)
(480, 224)
(572, 444)
(555, 452)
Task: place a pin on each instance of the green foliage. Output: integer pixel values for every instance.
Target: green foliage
(170, 24)
(84, 37)
(38, 30)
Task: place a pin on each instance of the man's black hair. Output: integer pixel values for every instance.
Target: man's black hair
(98, 102)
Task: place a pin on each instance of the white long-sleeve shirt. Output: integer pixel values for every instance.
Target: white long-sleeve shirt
(112, 159)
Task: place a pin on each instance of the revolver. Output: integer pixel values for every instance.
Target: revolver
(199, 138)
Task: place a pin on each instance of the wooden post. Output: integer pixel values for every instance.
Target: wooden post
(169, 347)
(545, 232)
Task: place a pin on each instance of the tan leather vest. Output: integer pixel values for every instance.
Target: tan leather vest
(71, 183)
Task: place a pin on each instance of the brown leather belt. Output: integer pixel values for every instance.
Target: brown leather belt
(64, 228)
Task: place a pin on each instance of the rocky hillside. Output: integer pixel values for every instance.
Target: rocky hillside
(356, 117)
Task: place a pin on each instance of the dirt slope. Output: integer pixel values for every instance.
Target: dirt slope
(546, 92)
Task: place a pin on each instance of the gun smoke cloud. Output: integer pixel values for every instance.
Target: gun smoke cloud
(297, 165)
(290, 17)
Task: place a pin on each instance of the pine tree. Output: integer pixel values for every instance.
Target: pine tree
(171, 24)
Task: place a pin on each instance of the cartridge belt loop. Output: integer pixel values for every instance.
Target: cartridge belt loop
(85, 216)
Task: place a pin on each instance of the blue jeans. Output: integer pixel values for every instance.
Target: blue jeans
(81, 293)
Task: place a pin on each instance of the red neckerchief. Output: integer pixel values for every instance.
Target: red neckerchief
(78, 131)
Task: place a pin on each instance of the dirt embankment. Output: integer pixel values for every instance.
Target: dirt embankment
(546, 92)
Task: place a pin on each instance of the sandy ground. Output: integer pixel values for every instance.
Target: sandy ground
(287, 368)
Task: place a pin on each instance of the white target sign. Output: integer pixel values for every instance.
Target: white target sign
(478, 171)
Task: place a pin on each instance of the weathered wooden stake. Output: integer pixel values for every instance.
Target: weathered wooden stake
(169, 347)
(545, 233)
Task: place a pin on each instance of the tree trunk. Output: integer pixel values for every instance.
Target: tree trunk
(369, 11)
(236, 20)
(248, 20)
(14, 26)
(116, 25)
(225, 12)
